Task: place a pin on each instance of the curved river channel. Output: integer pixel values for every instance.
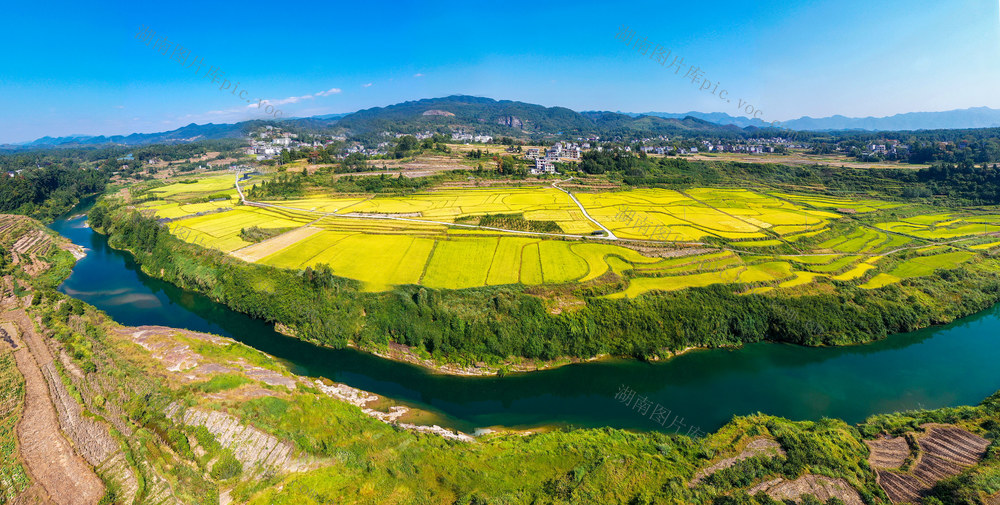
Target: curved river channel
(956, 364)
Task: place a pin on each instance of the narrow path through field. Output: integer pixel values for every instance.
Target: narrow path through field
(64, 476)
(611, 236)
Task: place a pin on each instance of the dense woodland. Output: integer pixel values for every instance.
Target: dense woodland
(48, 182)
(48, 192)
(974, 146)
(295, 184)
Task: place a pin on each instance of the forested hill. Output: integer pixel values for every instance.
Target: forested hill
(485, 115)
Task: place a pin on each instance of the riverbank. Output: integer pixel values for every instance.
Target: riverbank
(280, 434)
(453, 332)
(405, 354)
(745, 378)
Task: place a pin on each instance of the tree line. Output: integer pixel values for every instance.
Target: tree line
(493, 323)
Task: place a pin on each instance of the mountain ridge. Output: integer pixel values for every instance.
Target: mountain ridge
(500, 117)
(954, 119)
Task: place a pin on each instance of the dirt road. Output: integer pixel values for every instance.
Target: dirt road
(63, 476)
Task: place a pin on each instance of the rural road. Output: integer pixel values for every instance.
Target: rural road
(611, 236)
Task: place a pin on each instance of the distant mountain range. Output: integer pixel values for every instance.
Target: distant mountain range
(506, 117)
(189, 133)
(975, 117)
(474, 114)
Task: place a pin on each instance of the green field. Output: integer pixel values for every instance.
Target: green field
(13, 478)
(669, 239)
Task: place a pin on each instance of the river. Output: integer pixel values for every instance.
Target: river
(936, 367)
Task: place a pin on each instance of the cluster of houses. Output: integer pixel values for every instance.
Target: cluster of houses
(754, 146)
(892, 148)
(664, 149)
(561, 151)
(469, 137)
(268, 142)
(545, 159)
(359, 148)
(748, 147)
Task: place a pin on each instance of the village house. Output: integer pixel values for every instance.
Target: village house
(543, 166)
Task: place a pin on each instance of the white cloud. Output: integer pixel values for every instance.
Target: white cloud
(418, 74)
(119, 106)
(331, 91)
(283, 101)
(367, 85)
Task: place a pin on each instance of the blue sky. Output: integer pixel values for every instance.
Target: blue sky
(75, 68)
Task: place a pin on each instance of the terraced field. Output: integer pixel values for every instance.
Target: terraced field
(30, 244)
(664, 240)
(944, 451)
(28, 239)
(919, 266)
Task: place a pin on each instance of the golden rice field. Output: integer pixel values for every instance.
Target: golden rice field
(733, 214)
(385, 241)
(191, 196)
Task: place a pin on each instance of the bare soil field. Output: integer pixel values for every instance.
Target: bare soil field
(421, 166)
(887, 453)
(252, 253)
(436, 162)
(800, 158)
(819, 486)
(945, 451)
